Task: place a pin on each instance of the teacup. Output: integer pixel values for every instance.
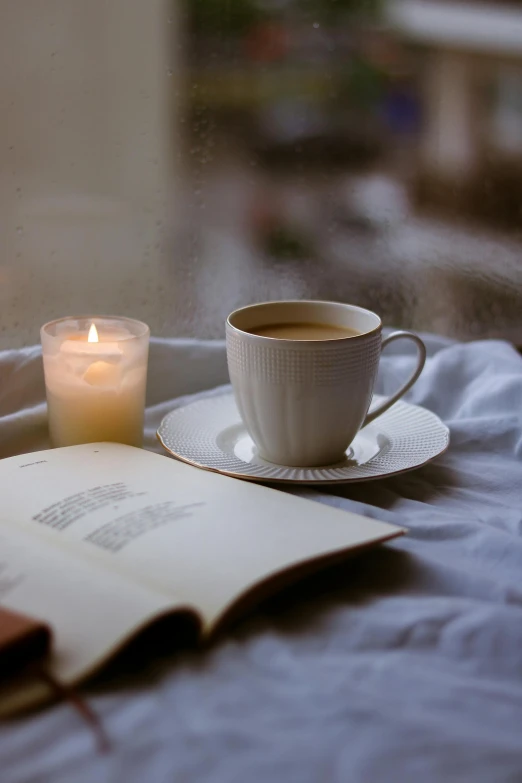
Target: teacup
(303, 374)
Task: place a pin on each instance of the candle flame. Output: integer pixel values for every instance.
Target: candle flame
(93, 335)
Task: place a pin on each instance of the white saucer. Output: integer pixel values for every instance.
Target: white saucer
(209, 434)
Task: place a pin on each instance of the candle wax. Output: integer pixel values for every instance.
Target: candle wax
(96, 390)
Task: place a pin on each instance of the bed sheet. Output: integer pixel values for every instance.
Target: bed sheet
(404, 664)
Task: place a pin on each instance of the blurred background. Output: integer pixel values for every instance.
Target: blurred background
(171, 161)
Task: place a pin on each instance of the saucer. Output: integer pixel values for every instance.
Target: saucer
(209, 434)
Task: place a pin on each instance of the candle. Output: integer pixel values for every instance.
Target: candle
(95, 377)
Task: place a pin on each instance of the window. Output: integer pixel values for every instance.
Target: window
(170, 161)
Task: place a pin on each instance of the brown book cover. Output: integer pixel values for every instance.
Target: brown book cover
(23, 641)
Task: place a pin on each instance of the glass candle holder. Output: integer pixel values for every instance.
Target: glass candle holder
(95, 377)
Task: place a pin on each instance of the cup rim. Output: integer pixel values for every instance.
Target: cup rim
(280, 341)
(144, 328)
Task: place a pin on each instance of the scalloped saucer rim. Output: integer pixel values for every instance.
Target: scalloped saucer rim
(209, 434)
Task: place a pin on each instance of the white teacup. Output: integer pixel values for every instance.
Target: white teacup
(304, 400)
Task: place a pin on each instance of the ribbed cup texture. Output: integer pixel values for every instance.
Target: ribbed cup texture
(302, 403)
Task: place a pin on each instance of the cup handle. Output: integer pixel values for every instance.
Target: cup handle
(421, 360)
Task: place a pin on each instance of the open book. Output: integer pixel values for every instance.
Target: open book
(99, 541)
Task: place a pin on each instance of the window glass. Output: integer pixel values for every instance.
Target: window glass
(171, 161)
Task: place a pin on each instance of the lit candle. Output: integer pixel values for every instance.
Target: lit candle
(95, 376)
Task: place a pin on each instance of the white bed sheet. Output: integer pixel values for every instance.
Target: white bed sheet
(403, 665)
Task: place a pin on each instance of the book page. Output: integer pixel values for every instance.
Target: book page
(202, 538)
(92, 612)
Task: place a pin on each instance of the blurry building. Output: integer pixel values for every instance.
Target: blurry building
(469, 155)
(296, 81)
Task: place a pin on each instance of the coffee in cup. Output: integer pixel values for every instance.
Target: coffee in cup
(304, 330)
